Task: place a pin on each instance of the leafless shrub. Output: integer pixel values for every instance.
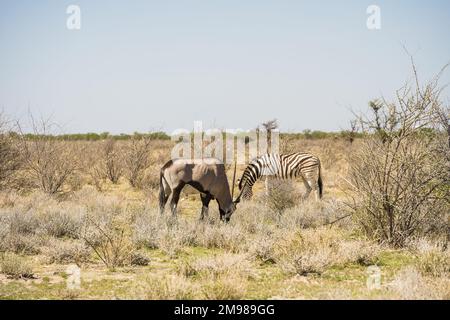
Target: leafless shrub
(18, 232)
(409, 284)
(112, 162)
(224, 236)
(107, 237)
(314, 250)
(281, 196)
(171, 287)
(49, 162)
(62, 223)
(225, 288)
(10, 156)
(67, 251)
(263, 248)
(221, 266)
(136, 160)
(15, 266)
(400, 173)
(433, 258)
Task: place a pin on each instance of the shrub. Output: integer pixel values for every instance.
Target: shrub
(432, 258)
(106, 235)
(409, 284)
(136, 160)
(225, 288)
(48, 162)
(111, 160)
(314, 250)
(18, 232)
(220, 266)
(281, 196)
(59, 223)
(400, 172)
(69, 251)
(15, 266)
(11, 159)
(171, 287)
(138, 259)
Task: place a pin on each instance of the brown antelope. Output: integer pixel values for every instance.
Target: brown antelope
(205, 175)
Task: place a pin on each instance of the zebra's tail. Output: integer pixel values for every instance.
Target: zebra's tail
(320, 182)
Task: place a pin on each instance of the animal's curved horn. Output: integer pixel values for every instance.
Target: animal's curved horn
(234, 180)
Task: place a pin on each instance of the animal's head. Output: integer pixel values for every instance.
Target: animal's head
(225, 214)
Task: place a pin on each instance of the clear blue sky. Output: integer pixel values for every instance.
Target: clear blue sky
(160, 65)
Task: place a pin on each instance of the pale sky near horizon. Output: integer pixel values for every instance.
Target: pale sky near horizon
(161, 65)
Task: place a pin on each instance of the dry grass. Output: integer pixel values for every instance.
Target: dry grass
(126, 249)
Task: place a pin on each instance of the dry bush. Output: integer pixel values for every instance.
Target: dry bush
(68, 251)
(225, 288)
(409, 284)
(222, 277)
(282, 195)
(154, 231)
(48, 162)
(400, 172)
(171, 287)
(136, 160)
(217, 266)
(93, 166)
(111, 160)
(18, 232)
(433, 258)
(10, 156)
(312, 214)
(106, 235)
(145, 230)
(254, 217)
(314, 250)
(263, 248)
(59, 223)
(15, 266)
(139, 259)
(230, 237)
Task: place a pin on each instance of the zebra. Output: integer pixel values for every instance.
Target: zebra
(283, 166)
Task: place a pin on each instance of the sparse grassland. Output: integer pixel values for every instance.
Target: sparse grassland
(126, 250)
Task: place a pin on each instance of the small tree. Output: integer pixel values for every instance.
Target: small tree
(10, 157)
(112, 161)
(48, 161)
(136, 160)
(400, 173)
(269, 126)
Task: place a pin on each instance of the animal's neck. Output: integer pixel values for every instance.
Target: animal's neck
(251, 174)
(224, 200)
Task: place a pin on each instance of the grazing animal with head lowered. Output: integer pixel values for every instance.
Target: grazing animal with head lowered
(283, 166)
(206, 175)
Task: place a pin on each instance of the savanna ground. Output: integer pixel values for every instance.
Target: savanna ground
(275, 247)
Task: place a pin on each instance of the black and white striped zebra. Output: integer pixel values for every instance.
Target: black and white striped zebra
(283, 166)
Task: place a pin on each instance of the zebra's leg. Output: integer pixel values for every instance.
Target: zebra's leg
(206, 198)
(308, 187)
(312, 181)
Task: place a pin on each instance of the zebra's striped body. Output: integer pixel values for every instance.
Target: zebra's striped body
(283, 166)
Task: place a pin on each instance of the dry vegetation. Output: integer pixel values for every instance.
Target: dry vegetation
(93, 204)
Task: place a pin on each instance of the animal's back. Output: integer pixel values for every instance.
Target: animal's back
(196, 169)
